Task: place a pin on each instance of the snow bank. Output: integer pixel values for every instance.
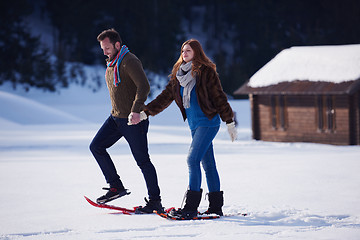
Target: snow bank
(316, 63)
(17, 109)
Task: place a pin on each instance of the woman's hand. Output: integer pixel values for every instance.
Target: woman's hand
(232, 130)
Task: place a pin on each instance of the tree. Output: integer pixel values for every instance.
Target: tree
(24, 62)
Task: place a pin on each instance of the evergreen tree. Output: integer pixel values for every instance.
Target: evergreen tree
(23, 60)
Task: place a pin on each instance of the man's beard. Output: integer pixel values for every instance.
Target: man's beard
(114, 55)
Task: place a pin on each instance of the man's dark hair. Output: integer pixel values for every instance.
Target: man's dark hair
(112, 34)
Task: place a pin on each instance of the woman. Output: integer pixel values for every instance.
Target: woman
(195, 86)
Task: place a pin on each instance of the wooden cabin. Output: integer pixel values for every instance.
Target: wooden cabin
(307, 94)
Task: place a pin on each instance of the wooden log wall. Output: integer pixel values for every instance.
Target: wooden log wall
(302, 119)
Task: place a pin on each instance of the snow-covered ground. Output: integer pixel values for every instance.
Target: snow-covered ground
(290, 190)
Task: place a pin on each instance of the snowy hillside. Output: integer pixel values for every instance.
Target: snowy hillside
(290, 190)
(21, 110)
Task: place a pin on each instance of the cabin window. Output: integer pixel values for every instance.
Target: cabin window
(282, 111)
(320, 111)
(278, 112)
(273, 112)
(330, 113)
(326, 114)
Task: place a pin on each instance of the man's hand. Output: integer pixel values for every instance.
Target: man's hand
(134, 118)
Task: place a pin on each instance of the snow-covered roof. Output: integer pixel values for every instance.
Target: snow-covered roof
(334, 64)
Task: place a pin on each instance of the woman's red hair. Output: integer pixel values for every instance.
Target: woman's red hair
(199, 59)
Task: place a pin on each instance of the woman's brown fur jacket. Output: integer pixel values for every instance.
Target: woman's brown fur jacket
(209, 92)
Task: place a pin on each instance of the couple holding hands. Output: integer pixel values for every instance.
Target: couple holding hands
(195, 86)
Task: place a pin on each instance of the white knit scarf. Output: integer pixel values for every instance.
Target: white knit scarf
(187, 81)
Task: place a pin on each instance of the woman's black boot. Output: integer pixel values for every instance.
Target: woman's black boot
(216, 201)
(192, 203)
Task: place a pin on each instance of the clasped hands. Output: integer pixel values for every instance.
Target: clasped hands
(135, 118)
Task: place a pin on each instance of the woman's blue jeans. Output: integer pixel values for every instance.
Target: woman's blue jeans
(201, 151)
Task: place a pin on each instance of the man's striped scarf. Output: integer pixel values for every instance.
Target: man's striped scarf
(116, 62)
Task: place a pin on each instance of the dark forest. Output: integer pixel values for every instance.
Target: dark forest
(239, 36)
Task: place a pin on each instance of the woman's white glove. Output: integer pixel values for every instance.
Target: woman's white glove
(232, 130)
(143, 116)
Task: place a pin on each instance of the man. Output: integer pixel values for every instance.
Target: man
(128, 88)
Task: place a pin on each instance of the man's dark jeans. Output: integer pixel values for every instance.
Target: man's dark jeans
(136, 136)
